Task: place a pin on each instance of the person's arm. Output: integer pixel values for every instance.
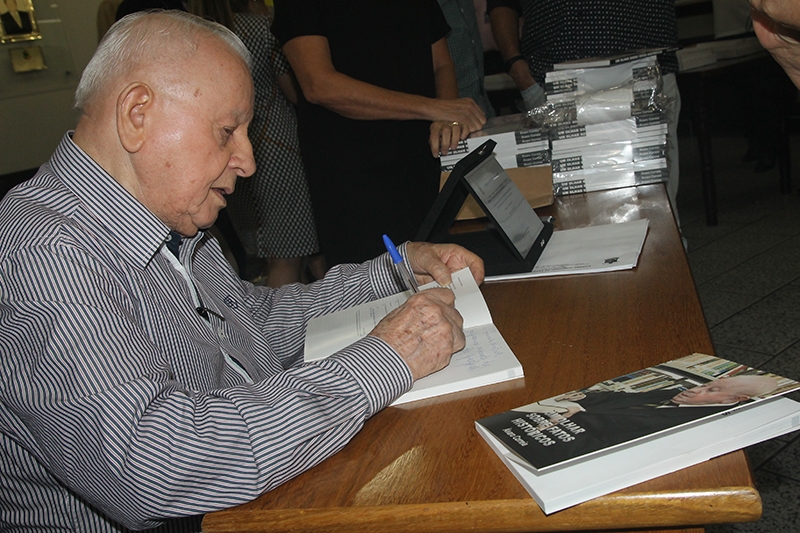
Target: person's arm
(444, 71)
(133, 398)
(505, 28)
(286, 85)
(436, 262)
(777, 26)
(445, 135)
(323, 85)
(427, 330)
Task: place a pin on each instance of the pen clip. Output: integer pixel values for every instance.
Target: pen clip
(401, 267)
(392, 249)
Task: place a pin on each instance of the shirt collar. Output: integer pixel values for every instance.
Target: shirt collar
(133, 230)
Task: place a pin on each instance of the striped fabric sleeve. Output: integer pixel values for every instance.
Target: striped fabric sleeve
(102, 409)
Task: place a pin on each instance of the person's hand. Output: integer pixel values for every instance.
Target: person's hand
(533, 97)
(425, 331)
(453, 121)
(777, 26)
(431, 262)
(445, 137)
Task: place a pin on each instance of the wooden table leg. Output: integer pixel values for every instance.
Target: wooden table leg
(785, 158)
(700, 123)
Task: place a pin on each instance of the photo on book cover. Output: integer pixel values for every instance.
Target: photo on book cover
(618, 411)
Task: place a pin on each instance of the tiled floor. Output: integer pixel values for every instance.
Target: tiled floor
(747, 271)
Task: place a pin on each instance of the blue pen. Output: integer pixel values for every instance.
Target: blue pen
(402, 268)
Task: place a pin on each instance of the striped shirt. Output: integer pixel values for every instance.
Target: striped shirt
(120, 405)
(555, 31)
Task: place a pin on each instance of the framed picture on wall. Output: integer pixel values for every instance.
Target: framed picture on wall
(17, 21)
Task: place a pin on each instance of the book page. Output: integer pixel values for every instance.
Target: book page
(328, 334)
(485, 359)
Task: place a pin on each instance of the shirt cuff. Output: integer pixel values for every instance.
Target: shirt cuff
(386, 280)
(381, 372)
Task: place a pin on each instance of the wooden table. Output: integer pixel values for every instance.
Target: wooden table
(422, 467)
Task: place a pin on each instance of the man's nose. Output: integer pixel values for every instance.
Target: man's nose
(243, 158)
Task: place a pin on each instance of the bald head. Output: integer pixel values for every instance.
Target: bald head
(727, 390)
(166, 103)
(152, 41)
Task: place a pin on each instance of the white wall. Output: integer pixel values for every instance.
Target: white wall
(36, 108)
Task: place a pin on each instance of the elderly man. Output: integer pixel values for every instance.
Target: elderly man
(142, 383)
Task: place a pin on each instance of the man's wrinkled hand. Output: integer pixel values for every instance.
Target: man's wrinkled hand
(436, 262)
(425, 331)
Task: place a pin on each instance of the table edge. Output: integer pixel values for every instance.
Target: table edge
(640, 509)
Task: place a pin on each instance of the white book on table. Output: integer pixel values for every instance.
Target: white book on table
(603, 248)
(485, 360)
(609, 154)
(577, 482)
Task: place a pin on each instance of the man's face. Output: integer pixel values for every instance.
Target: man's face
(785, 12)
(721, 391)
(11, 5)
(197, 144)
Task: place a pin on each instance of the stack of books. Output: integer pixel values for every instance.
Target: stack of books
(606, 123)
(609, 155)
(519, 143)
(624, 84)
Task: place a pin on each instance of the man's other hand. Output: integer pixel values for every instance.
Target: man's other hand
(437, 262)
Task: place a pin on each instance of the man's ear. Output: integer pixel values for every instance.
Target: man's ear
(135, 102)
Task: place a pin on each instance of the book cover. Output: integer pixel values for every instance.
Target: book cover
(602, 178)
(512, 133)
(617, 153)
(563, 487)
(639, 406)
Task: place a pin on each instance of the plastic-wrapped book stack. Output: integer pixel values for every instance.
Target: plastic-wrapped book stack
(606, 123)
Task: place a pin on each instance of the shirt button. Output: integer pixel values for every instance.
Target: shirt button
(221, 333)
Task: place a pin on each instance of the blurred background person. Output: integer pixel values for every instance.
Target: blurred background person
(378, 102)
(466, 49)
(271, 210)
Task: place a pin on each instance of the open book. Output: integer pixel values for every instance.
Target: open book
(486, 359)
(586, 443)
